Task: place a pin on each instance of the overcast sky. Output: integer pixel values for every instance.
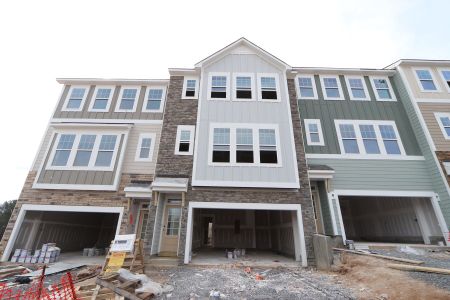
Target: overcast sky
(43, 40)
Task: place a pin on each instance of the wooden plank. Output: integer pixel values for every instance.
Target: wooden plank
(117, 290)
(419, 269)
(409, 261)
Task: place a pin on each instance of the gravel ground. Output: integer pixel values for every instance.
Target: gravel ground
(234, 283)
(437, 259)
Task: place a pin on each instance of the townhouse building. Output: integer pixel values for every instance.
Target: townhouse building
(240, 151)
(426, 91)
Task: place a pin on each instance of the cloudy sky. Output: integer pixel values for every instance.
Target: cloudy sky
(43, 40)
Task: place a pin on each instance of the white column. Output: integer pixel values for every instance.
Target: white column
(189, 228)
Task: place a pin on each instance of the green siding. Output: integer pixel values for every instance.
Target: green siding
(372, 174)
(438, 184)
(329, 110)
(326, 215)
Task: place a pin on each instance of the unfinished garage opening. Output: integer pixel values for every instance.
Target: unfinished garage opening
(265, 234)
(71, 230)
(389, 219)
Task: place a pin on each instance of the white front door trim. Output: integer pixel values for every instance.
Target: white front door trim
(300, 250)
(62, 208)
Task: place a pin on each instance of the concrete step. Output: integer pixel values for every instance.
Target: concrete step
(156, 261)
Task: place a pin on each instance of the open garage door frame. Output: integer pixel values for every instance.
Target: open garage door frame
(299, 235)
(62, 208)
(334, 197)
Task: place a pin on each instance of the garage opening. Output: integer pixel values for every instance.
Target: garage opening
(259, 236)
(72, 232)
(389, 219)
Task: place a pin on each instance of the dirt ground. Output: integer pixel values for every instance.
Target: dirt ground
(370, 278)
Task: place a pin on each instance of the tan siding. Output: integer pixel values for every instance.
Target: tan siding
(41, 151)
(140, 167)
(411, 77)
(428, 110)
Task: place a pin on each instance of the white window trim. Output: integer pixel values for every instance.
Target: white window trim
(210, 76)
(66, 101)
(119, 99)
(186, 78)
(446, 165)
(359, 139)
(444, 82)
(375, 91)
(78, 133)
(277, 85)
(191, 129)
(319, 127)
(341, 93)
(297, 86)
(349, 89)
(152, 136)
(255, 130)
(438, 116)
(252, 86)
(94, 95)
(436, 84)
(163, 98)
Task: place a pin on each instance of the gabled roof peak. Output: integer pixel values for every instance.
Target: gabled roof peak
(242, 42)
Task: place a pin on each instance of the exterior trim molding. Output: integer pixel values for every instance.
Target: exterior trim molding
(105, 121)
(258, 184)
(366, 156)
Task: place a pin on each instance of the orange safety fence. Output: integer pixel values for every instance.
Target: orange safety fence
(62, 290)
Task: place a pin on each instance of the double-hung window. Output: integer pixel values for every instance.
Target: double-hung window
(243, 86)
(268, 87)
(268, 153)
(445, 75)
(190, 88)
(314, 135)
(128, 99)
(146, 144)
(369, 137)
(244, 145)
(184, 144)
(357, 88)
(219, 86)
(84, 151)
(382, 89)
(106, 151)
(154, 100)
(63, 150)
(426, 82)
(221, 145)
(102, 99)
(75, 98)
(443, 120)
(331, 87)
(306, 87)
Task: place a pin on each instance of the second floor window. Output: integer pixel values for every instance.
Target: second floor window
(244, 145)
(267, 146)
(426, 80)
(443, 120)
(184, 144)
(63, 150)
(84, 151)
(190, 87)
(314, 135)
(146, 144)
(446, 77)
(106, 151)
(221, 145)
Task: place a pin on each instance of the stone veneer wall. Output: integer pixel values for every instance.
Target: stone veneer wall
(444, 156)
(184, 112)
(72, 197)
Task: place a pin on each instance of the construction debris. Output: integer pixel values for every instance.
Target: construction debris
(360, 252)
(419, 269)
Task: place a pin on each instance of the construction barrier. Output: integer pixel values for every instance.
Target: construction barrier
(62, 290)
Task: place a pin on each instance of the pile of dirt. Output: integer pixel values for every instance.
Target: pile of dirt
(370, 278)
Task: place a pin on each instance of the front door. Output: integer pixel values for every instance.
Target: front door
(317, 212)
(170, 230)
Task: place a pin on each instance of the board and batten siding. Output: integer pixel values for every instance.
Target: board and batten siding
(375, 174)
(428, 110)
(414, 83)
(40, 156)
(79, 177)
(130, 165)
(329, 110)
(433, 172)
(257, 112)
(86, 114)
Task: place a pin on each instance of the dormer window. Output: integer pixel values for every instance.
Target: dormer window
(190, 88)
(75, 99)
